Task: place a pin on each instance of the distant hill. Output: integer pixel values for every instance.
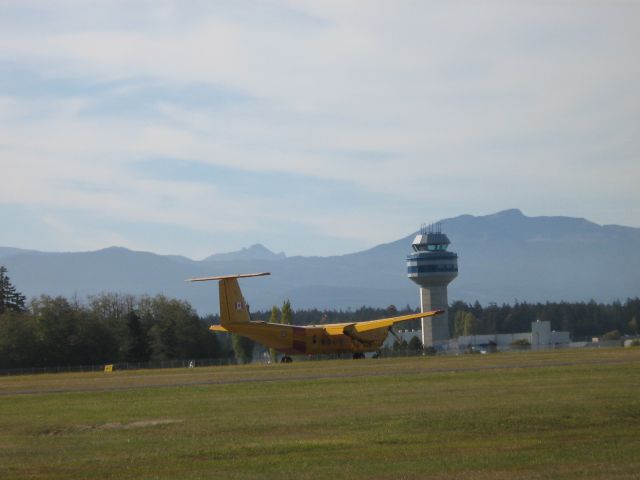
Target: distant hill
(504, 257)
(9, 251)
(254, 252)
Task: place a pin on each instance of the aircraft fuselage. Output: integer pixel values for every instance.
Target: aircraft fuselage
(309, 340)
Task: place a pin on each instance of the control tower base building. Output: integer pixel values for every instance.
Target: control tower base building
(432, 267)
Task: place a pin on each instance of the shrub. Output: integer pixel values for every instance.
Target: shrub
(612, 335)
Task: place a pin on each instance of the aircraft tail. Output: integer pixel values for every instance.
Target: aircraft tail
(233, 308)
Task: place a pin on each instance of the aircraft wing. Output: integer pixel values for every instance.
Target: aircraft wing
(354, 329)
(390, 322)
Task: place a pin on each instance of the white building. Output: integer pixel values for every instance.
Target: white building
(541, 337)
(405, 335)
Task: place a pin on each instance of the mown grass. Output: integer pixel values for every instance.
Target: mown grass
(575, 415)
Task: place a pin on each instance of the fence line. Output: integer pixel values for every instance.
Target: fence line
(260, 358)
(159, 364)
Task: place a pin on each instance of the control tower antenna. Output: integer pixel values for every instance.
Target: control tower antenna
(427, 228)
(432, 267)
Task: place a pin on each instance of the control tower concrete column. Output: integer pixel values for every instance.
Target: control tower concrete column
(432, 267)
(434, 329)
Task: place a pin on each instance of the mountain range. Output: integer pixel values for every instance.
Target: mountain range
(503, 258)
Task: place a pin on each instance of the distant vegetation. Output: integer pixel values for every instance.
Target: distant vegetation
(581, 320)
(108, 328)
(111, 328)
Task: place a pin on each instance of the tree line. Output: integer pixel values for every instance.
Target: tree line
(582, 320)
(110, 328)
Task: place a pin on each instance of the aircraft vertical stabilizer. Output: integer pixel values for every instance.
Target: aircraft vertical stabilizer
(233, 308)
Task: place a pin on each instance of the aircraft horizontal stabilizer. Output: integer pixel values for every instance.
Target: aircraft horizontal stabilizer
(218, 328)
(224, 277)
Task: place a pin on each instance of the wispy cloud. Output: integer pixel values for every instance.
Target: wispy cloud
(317, 127)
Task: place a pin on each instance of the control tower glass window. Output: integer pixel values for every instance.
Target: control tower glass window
(430, 247)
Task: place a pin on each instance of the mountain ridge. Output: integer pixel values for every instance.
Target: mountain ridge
(503, 257)
(257, 251)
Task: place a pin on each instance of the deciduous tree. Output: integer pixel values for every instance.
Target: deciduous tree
(287, 314)
(242, 348)
(274, 318)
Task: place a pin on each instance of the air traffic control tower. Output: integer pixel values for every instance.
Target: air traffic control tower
(433, 267)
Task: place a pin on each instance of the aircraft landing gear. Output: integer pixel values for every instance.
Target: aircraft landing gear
(286, 359)
(358, 355)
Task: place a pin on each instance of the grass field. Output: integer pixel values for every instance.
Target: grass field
(565, 414)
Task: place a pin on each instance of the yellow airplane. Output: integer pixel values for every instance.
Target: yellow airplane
(353, 337)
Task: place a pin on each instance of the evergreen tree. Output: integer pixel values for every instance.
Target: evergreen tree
(136, 345)
(400, 345)
(287, 314)
(10, 298)
(476, 310)
(163, 340)
(415, 345)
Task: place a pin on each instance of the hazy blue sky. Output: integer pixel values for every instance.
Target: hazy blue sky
(314, 127)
